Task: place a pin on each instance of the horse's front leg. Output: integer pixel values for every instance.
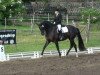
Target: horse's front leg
(46, 44)
(57, 46)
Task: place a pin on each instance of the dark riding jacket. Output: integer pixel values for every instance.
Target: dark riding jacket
(58, 19)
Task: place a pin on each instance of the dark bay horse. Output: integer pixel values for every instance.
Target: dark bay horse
(50, 31)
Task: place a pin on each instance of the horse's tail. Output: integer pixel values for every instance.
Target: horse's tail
(80, 41)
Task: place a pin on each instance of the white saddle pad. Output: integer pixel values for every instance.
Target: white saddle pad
(64, 29)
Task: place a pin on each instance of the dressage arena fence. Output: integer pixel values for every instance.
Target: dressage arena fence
(37, 54)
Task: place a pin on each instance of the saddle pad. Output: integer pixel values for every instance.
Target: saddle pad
(64, 29)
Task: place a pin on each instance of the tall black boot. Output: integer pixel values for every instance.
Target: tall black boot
(60, 35)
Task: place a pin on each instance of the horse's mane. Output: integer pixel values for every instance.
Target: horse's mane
(47, 24)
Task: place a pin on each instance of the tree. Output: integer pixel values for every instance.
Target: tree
(35, 0)
(10, 8)
(90, 13)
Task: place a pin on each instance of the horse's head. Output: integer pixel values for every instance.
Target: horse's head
(42, 29)
(44, 26)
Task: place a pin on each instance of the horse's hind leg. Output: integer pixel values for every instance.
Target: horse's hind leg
(75, 49)
(71, 45)
(46, 44)
(57, 46)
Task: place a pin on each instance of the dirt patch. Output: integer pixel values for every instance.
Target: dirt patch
(83, 65)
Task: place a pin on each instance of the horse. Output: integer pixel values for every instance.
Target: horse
(49, 30)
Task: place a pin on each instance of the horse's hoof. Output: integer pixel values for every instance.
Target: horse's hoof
(67, 55)
(60, 56)
(76, 56)
(41, 55)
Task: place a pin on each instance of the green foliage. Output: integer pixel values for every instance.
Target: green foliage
(10, 8)
(35, 0)
(92, 12)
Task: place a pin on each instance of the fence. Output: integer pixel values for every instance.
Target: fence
(29, 38)
(66, 7)
(36, 54)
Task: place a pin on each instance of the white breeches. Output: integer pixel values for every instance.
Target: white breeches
(59, 27)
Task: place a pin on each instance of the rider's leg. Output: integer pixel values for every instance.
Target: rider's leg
(59, 31)
(59, 27)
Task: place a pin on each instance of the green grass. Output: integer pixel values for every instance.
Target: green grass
(94, 39)
(33, 41)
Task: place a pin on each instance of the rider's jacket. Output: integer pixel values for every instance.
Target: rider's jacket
(57, 19)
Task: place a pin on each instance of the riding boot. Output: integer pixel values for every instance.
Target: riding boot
(60, 35)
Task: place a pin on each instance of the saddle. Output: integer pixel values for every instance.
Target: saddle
(61, 33)
(64, 29)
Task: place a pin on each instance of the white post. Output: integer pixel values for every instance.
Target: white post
(31, 25)
(90, 51)
(76, 54)
(32, 22)
(63, 53)
(34, 55)
(73, 22)
(37, 53)
(5, 22)
(22, 55)
(48, 17)
(2, 53)
(50, 53)
(67, 19)
(92, 4)
(8, 57)
(88, 29)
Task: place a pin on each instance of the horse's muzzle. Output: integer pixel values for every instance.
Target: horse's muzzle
(42, 33)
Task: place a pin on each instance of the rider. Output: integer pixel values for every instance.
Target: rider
(57, 21)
